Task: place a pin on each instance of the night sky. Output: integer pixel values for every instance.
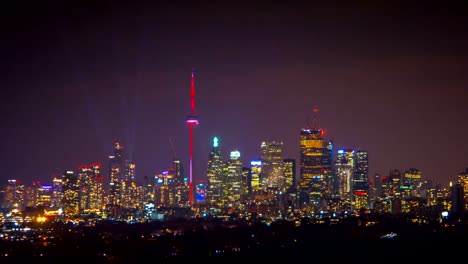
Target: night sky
(389, 79)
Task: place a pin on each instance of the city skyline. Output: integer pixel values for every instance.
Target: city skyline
(388, 81)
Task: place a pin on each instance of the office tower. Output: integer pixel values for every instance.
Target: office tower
(202, 189)
(116, 171)
(129, 188)
(14, 195)
(255, 171)
(387, 187)
(215, 175)
(272, 166)
(344, 167)
(192, 121)
(71, 192)
(96, 188)
(182, 188)
(57, 193)
(246, 183)
(148, 190)
(361, 171)
(290, 174)
(91, 191)
(315, 167)
(377, 185)
(233, 181)
(412, 183)
(30, 194)
(44, 196)
(458, 202)
(395, 178)
(328, 171)
(84, 182)
(463, 181)
(361, 179)
(164, 189)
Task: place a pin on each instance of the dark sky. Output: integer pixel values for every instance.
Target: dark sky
(76, 77)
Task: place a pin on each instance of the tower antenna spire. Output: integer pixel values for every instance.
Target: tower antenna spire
(192, 93)
(173, 148)
(314, 119)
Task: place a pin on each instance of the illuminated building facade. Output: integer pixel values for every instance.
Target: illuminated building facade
(202, 190)
(361, 180)
(290, 174)
(395, 178)
(255, 175)
(91, 190)
(44, 195)
(57, 193)
(390, 184)
(246, 183)
(344, 167)
(116, 170)
(84, 181)
(129, 188)
(215, 176)
(71, 192)
(96, 188)
(15, 195)
(272, 166)
(182, 188)
(148, 190)
(463, 181)
(233, 181)
(315, 166)
(30, 194)
(165, 189)
(411, 184)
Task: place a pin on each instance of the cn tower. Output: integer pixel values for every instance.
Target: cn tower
(191, 120)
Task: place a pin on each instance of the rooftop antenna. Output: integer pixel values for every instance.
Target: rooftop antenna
(314, 119)
(172, 147)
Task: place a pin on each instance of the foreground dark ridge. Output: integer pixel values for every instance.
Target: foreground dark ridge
(390, 239)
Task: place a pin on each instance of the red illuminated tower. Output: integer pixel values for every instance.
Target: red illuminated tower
(191, 121)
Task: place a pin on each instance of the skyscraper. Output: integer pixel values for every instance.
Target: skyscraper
(129, 188)
(96, 194)
(15, 195)
(361, 180)
(57, 193)
(395, 178)
(290, 174)
(463, 181)
(215, 175)
(201, 190)
(71, 192)
(345, 166)
(233, 186)
(116, 170)
(411, 183)
(182, 188)
(316, 164)
(165, 189)
(272, 165)
(255, 172)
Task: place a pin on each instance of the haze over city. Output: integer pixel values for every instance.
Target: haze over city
(77, 78)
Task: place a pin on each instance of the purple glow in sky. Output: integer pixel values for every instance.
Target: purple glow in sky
(79, 77)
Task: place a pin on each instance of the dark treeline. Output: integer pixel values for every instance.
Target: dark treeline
(221, 242)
